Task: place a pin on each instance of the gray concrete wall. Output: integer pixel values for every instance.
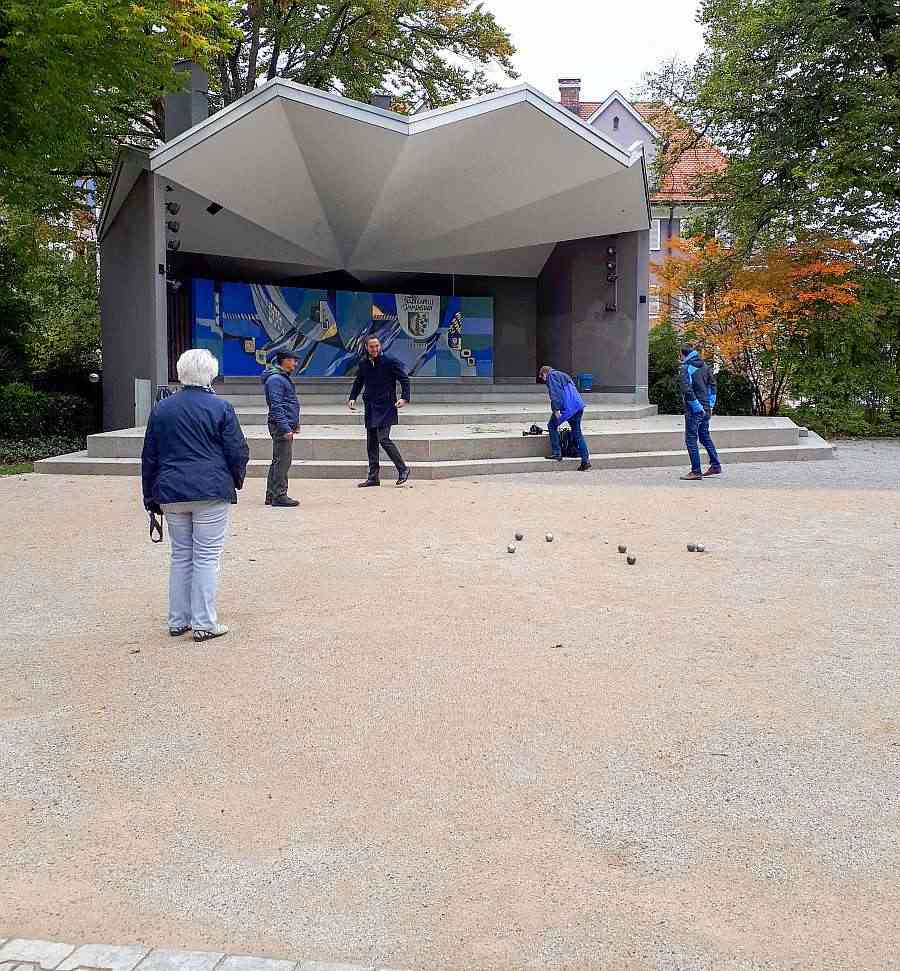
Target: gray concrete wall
(128, 298)
(576, 331)
(515, 322)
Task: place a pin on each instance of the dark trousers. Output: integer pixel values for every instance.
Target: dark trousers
(697, 427)
(575, 426)
(282, 456)
(381, 437)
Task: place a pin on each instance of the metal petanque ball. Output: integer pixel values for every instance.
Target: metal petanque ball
(631, 559)
(511, 548)
(623, 548)
(520, 536)
(700, 549)
(549, 537)
(692, 548)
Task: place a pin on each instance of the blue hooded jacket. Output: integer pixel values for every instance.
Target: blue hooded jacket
(698, 385)
(564, 396)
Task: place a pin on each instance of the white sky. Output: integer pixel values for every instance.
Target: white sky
(607, 45)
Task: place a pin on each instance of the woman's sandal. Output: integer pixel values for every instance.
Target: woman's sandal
(178, 631)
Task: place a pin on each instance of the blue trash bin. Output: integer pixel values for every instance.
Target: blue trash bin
(585, 381)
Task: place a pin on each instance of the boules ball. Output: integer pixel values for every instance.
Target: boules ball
(511, 548)
(692, 548)
(623, 549)
(520, 536)
(701, 549)
(631, 559)
(549, 537)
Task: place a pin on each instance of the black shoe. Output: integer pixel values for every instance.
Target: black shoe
(178, 631)
(220, 630)
(554, 458)
(285, 502)
(368, 483)
(404, 475)
(584, 467)
(268, 500)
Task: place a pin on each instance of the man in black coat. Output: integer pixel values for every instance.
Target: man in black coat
(378, 375)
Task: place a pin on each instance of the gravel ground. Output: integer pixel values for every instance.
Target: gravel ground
(420, 751)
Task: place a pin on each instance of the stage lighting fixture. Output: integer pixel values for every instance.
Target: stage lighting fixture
(173, 245)
(173, 225)
(213, 208)
(173, 208)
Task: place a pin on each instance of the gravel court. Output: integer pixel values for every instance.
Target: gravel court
(420, 751)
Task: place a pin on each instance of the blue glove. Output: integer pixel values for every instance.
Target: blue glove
(696, 407)
(712, 402)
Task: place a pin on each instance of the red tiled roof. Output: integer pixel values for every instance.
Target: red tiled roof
(688, 166)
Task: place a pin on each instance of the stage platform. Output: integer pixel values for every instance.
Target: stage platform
(459, 437)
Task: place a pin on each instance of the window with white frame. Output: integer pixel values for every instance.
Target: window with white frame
(654, 301)
(654, 235)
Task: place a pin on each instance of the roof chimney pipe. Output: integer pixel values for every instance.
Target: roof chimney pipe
(570, 93)
(188, 107)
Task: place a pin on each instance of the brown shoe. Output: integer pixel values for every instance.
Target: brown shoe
(713, 470)
(693, 477)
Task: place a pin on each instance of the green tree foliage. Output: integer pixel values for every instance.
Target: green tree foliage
(847, 368)
(81, 77)
(15, 312)
(436, 51)
(804, 96)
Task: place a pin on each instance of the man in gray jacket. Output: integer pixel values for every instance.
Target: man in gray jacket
(284, 423)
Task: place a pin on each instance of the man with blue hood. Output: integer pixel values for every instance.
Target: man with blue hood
(284, 423)
(698, 390)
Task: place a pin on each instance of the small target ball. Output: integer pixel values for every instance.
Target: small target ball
(701, 549)
(631, 559)
(623, 549)
(520, 536)
(692, 548)
(549, 537)
(511, 548)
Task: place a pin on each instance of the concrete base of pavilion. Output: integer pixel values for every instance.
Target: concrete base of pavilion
(446, 434)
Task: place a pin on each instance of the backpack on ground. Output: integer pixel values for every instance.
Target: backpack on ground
(567, 447)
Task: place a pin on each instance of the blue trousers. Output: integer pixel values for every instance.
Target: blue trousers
(697, 427)
(575, 424)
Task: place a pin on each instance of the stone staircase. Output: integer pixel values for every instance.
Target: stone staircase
(459, 431)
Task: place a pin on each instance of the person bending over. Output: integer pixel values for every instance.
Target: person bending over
(566, 405)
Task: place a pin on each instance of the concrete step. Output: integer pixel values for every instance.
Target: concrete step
(809, 449)
(455, 442)
(503, 397)
(514, 412)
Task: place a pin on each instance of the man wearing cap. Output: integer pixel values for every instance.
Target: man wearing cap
(698, 390)
(284, 423)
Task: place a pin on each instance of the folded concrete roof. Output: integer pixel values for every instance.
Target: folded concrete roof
(485, 186)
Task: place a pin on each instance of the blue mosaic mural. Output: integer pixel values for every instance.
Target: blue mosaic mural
(243, 324)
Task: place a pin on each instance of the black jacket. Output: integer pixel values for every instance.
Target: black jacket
(193, 449)
(379, 379)
(281, 397)
(698, 384)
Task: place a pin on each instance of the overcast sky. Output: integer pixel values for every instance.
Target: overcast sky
(607, 45)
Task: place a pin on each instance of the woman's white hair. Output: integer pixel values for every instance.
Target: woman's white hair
(197, 367)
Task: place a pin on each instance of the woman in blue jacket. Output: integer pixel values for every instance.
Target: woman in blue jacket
(194, 459)
(566, 405)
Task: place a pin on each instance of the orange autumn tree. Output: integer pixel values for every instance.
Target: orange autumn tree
(753, 314)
